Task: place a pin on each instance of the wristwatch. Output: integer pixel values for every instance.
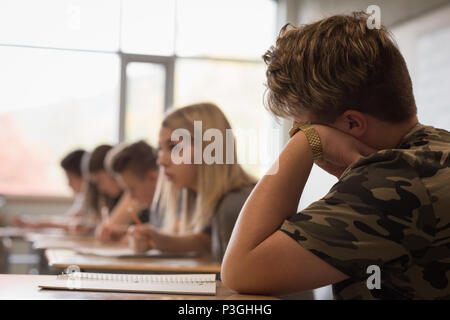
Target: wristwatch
(312, 136)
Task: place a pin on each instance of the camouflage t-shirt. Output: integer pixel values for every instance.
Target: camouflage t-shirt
(392, 210)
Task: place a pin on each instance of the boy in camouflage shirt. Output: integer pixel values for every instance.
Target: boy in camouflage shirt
(391, 205)
(390, 209)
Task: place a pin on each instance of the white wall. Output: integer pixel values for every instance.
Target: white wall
(425, 44)
(392, 11)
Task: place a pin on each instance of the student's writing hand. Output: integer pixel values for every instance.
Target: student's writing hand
(139, 238)
(25, 223)
(19, 222)
(103, 232)
(77, 227)
(107, 232)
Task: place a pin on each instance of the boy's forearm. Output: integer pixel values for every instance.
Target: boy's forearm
(275, 198)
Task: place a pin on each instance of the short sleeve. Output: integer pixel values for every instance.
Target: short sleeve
(377, 214)
(224, 219)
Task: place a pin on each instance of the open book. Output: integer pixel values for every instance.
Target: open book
(91, 246)
(201, 284)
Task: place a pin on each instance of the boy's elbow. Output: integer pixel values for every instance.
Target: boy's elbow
(234, 277)
(230, 279)
(227, 274)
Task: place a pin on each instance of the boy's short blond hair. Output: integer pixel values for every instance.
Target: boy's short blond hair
(324, 68)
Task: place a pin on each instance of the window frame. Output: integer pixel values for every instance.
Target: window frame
(168, 62)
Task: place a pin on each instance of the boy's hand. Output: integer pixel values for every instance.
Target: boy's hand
(339, 149)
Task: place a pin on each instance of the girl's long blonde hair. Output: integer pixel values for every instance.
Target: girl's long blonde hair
(196, 208)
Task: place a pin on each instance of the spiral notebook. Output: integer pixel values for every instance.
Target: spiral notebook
(201, 284)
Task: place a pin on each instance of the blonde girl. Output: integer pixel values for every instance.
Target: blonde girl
(200, 201)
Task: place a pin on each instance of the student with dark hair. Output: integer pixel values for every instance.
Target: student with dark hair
(111, 200)
(103, 179)
(72, 168)
(135, 169)
(73, 220)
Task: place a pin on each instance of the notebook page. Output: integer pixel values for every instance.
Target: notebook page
(202, 284)
(129, 253)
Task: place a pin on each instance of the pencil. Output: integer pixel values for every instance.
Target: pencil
(139, 223)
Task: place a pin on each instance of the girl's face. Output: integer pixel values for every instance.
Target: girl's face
(75, 182)
(180, 175)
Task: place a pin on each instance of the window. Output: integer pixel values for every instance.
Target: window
(232, 28)
(148, 26)
(52, 104)
(78, 73)
(237, 88)
(220, 44)
(61, 23)
(145, 101)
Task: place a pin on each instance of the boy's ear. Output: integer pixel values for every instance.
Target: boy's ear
(352, 122)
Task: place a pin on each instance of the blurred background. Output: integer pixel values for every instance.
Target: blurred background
(78, 73)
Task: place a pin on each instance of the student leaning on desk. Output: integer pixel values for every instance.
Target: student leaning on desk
(200, 202)
(94, 192)
(113, 203)
(383, 230)
(73, 220)
(135, 169)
